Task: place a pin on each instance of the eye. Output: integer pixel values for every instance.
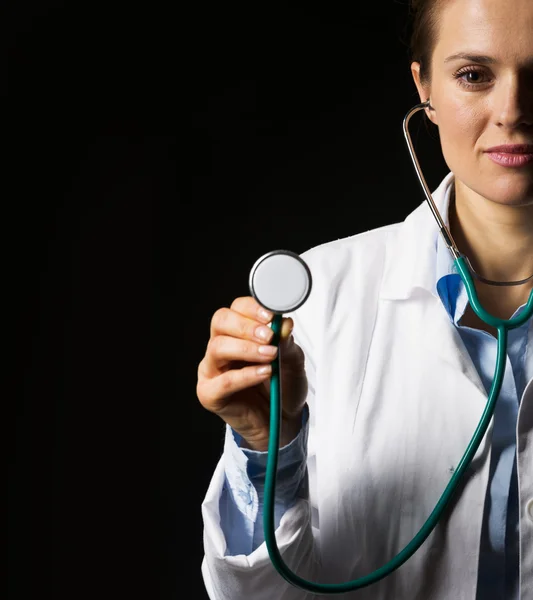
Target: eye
(470, 77)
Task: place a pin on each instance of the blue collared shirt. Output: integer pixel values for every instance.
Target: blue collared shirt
(242, 498)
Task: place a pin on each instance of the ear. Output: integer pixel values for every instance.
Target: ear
(423, 91)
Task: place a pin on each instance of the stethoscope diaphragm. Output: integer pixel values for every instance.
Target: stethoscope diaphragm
(280, 281)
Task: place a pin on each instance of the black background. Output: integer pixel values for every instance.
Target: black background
(152, 157)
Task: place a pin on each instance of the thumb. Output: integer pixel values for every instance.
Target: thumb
(291, 354)
(287, 326)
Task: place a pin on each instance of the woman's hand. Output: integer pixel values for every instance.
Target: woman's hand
(234, 374)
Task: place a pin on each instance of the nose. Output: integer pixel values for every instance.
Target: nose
(513, 102)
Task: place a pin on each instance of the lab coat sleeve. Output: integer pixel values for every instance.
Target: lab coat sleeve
(241, 503)
(252, 575)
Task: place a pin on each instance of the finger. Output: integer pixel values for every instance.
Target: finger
(223, 350)
(291, 355)
(227, 321)
(287, 325)
(212, 393)
(250, 307)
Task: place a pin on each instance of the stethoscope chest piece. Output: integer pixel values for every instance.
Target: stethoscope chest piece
(280, 281)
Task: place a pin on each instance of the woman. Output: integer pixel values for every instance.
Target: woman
(386, 368)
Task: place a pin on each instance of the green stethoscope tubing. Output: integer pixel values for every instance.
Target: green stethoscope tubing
(502, 326)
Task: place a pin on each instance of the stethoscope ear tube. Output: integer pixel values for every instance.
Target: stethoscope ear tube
(443, 229)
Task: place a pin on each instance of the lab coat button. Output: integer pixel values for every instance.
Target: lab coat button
(529, 509)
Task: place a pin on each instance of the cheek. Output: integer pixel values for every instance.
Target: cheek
(460, 126)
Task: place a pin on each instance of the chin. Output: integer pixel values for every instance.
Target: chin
(511, 190)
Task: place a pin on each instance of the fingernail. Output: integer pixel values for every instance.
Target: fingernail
(263, 333)
(267, 350)
(265, 315)
(287, 330)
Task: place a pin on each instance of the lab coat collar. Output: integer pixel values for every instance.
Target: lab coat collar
(411, 258)
(411, 267)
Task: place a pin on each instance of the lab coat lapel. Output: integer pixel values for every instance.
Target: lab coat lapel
(442, 338)
(410, 275)
(525, 411)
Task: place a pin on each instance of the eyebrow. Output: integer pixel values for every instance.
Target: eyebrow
(479, 58)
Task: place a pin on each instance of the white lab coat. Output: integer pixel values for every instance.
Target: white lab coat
(394, 400)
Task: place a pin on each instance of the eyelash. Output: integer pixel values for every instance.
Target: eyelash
(460, 73)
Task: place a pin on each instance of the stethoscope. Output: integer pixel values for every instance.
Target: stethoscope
(281, 282)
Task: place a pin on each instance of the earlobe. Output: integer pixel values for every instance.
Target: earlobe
(431, 113)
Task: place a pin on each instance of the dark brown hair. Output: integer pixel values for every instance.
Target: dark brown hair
(424, 30)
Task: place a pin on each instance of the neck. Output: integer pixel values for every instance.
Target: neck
(496, 238)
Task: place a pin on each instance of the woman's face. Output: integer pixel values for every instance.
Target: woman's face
(486, 101)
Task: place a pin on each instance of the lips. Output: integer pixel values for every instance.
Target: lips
(512, 149)
(510, 159)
